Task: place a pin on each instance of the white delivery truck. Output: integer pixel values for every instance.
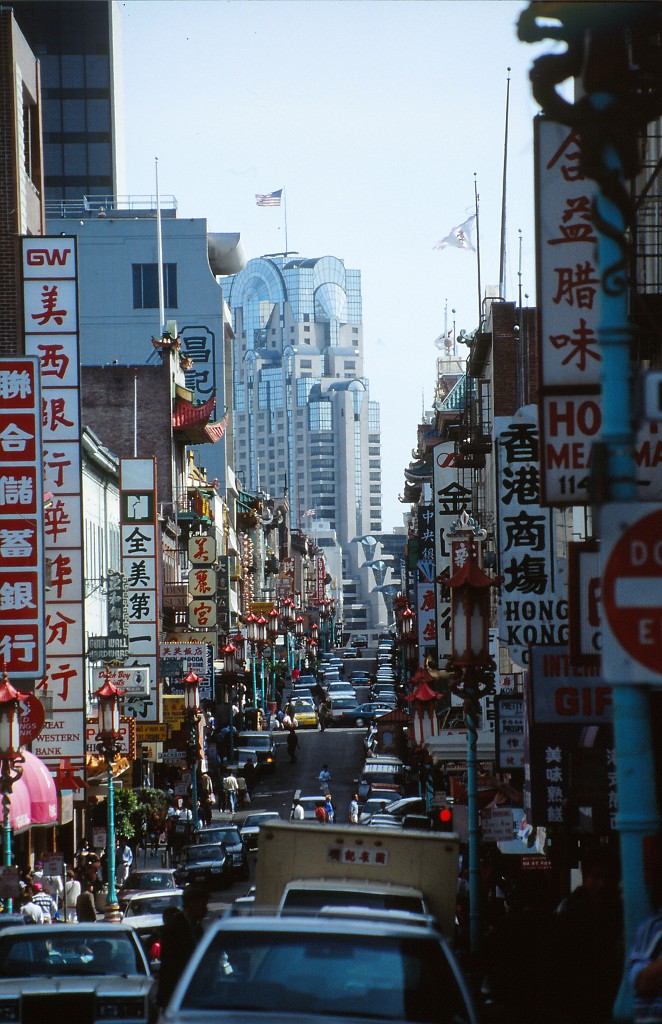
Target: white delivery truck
(303, 867)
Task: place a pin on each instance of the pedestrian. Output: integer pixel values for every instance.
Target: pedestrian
(645, 963)
(324, 715)
(230, 787)
(292, 744)
(29, 909)
(179, 937)
(86, 910)
(123, 861)
(44, 900)
(242, 790)
(71, 894)
(249, 775)
(329, 810)
(297, 811)
(320, 812)
(324, 779)
(354, 810)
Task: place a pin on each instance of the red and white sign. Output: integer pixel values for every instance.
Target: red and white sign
(21, 520)
(632, 593)
(31, 718)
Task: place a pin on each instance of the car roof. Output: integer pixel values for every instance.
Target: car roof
(312, 925)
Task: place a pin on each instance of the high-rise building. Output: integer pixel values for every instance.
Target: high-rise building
(304, 420)
(77, 43)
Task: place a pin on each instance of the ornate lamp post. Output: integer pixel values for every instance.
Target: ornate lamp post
(250, 622)
(273, 629)
(108, 744)
(229, 659)
(313, 646)
(288, 615)
(298, 636)
(192, 697)
(406, 639)
(261, 643)
(325, 616)
(11, 759)
(474, 669)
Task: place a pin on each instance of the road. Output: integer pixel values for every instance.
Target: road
(341, 749)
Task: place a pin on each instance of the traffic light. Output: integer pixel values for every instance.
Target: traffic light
(444, 819)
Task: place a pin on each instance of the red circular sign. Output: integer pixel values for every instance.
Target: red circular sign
(632, 590)
(31, 718)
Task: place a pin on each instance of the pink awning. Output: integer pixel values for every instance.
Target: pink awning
(19, 809)
(41, 789)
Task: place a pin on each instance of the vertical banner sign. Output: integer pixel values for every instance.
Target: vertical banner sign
(21, 521)
(509, 710)
(568, 313)
(425, 572)
(50, 307)
(533, 606)
(139, 545)
(202, 583)
(450, 499)
(320, 576)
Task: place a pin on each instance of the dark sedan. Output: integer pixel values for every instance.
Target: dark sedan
(339, 705)
(230, 837)
(364, 714)
(207, 865)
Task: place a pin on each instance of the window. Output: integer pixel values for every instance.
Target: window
(146, 286)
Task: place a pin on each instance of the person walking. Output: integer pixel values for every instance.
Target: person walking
(45, 902)
(179, 937)
(320, 812)
(324, 778)
(329, 810)
(297, 811)
(231, 788)
(123, 860)
(29, 909)
(86, 910)
(242, 790)
(292, 744)
(354, 810)
(71, 894)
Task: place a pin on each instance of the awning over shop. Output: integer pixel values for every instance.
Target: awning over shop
(34, 796)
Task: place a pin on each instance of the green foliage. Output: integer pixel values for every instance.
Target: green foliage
(126, 805)
(150, 812)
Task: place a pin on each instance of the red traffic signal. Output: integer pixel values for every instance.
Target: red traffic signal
(445, 818)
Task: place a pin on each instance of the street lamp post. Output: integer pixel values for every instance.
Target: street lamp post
(11, 760)
(108, 743)
(298, 635)
(192, 698)
(470, 657)
(250, 622)
(288, 615)
(273, 628)
(406, 636)
(229, 659)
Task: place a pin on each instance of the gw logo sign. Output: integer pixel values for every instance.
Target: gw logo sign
(47, 257)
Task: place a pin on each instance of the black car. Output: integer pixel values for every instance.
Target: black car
(230, 837)
(251, 826)
(205, 864)
(262, 743)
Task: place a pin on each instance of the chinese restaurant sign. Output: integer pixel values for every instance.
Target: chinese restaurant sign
(21, 520)
(50, 307)
(450, 499)
(138, 525)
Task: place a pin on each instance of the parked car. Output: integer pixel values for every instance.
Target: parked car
(262, 742)
(143, 903)
(250, 827)
(323, 967)
(209, 865)
(340, 690)
(146, 880)
(79, 972)
(406, 805)
(360, 677)
(230, 837)
(360, 640)
(364, 714)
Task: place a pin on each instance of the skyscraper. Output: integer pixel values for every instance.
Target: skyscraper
(304, 421)
(76, 42)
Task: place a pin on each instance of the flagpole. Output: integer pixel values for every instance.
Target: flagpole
(285, 218)
(159, 248)
(476, 198)
(502, 265)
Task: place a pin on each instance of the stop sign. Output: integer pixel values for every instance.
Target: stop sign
(632, 593)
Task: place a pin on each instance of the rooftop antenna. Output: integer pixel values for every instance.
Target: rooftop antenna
(502, 262)
(159, 248)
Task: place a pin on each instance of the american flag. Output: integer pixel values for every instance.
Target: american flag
(269, 199)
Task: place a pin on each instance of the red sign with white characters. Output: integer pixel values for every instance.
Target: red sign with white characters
(632, 593)
(31, 718)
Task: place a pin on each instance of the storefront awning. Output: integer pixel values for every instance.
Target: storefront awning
(34, 796)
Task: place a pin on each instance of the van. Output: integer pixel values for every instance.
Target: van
(263, 745)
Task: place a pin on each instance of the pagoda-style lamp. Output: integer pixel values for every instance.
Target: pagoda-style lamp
(470, 657)
(108, 744)
(261, 642)
(191, 684)
(298, 636)
(11, 758)
(288, 615)
(250, 622)
(273, 629)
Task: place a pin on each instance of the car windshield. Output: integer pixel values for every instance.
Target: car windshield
(51, 953)
(229, 836)
(152, 904)
(252, 820)
(376, 977)
(254, 739)
(149, 880)
(197, 853)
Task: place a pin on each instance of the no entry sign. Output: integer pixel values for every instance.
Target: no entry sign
(632, 593)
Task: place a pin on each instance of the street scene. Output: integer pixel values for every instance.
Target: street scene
(331, 511)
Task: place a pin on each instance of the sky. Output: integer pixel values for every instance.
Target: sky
(381, 119)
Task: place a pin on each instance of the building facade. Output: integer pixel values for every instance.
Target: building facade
(304, 420)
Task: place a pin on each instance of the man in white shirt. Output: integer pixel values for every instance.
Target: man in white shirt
(297, 812)
(30, 911)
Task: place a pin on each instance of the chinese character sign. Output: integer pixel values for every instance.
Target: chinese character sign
(139, 537)
(450, 498)
(50, 302)
(533, 606)
(21, 520)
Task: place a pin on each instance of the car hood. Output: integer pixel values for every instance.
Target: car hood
(261, 1017)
